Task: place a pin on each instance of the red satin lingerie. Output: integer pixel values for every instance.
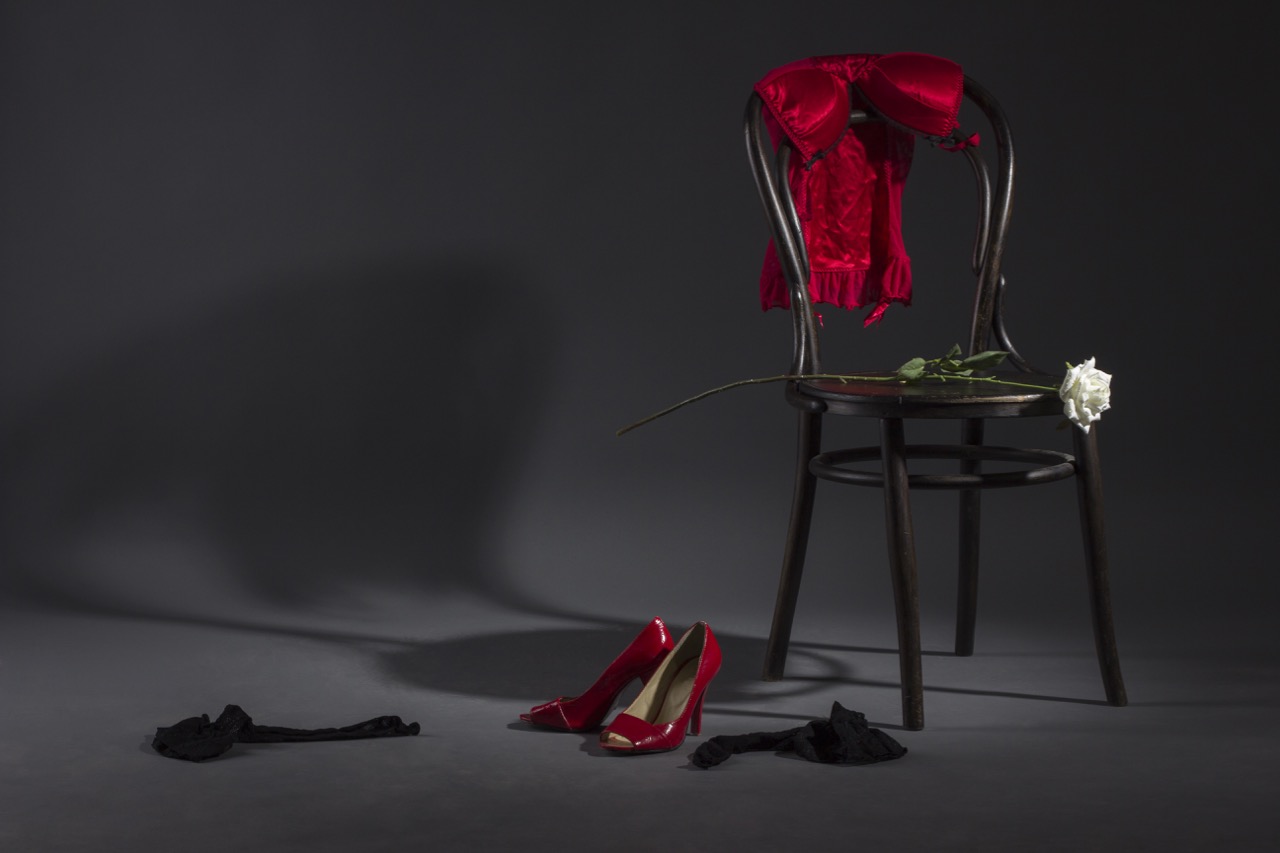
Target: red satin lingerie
(847, 183)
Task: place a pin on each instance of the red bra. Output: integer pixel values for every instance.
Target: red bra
(848, 180)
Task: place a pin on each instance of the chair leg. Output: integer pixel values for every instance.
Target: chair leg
(902, 564)
(970, 524)
(808, 442)
(1089, 490)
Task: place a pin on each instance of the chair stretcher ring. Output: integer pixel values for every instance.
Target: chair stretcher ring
(1051, 466)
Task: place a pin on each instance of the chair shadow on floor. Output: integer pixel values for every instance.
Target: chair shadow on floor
(538, 665)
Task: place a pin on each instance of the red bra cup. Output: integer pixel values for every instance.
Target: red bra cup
(916, 90)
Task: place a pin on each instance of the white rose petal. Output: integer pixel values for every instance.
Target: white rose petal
(1086, 394)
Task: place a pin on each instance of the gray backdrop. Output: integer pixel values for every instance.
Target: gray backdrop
(298, 295)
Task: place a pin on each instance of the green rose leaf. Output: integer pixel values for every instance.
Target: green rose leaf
(985, 360)
(912, 370)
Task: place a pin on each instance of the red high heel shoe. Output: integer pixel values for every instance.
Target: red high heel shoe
(587, 711)
(671, 701)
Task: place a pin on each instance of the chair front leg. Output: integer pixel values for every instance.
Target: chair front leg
(902, 565)
(808, 442)
(970, 525)
(1089, 492)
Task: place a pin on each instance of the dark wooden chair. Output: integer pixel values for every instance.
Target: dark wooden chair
(893, 403)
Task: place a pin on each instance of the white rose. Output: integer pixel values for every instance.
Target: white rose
(1086, 394)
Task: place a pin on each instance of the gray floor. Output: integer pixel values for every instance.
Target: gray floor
(1018, 753)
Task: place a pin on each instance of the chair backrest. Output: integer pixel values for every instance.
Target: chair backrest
(994, 211)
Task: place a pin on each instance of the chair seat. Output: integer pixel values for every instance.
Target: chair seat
(931, 398)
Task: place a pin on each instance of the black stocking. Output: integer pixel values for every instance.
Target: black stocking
(845, 738)
(197, 739)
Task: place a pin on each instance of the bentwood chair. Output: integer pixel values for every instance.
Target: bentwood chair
(892, 403)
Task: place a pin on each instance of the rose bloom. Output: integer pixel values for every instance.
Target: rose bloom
(1086, 394)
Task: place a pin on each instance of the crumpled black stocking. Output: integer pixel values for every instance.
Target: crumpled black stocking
(845, 738)
(197, 739)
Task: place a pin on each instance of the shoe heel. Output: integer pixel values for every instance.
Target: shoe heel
(695, 719)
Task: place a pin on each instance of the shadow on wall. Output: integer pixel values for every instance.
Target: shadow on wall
(340, 429)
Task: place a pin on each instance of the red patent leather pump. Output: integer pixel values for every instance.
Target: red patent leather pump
(588, 710)
(671, 702)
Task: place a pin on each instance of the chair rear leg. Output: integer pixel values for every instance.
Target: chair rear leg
(902, 564)
(808, 441)
(970, 525)
(1089, 491)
